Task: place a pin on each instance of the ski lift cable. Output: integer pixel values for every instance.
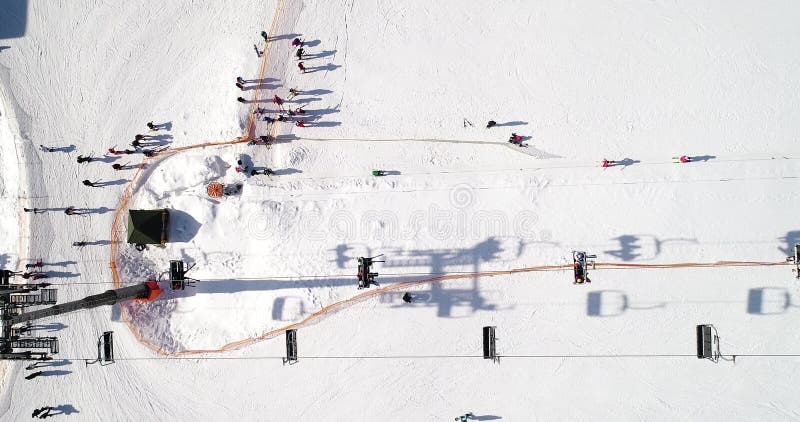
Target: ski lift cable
(599, 267)
(407, 357)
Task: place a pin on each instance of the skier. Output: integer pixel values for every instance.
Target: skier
(70, 211)
(266, 172)
(119, 166)
(299, 53)
(241, 168)
(82, 159)
(297, 43)
(378, 173)
(685, 159)
(265, 35)
(240, 86)
(152, 127)
(46, 412)
(515, 139)
(34, 210)
(281, 118)
(290, 112)
(46, 149)
(114, 151)
(86, 182)
(239, 80)
(136, 144)
(35, 264)
(299, 110)
(491, 123)
(80, 244)
(407, 298)
(300, 123)
(152, 152)
(259, 110)
(467, 416)
(301, 67)
(277, 100)
(268, 119)
(292, 93)
(241, 100)
(607, 163)
(138, 137)
(33, 375)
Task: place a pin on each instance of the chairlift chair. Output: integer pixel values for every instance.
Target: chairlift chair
(796, 260)
(366, 278)
(581, 261)
(105, 349)
(177, 275)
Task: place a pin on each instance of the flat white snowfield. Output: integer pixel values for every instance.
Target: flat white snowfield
(408, 89)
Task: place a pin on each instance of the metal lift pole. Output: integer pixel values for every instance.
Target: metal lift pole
(146, 291)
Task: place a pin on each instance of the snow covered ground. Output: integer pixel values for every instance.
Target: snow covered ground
(408, 88)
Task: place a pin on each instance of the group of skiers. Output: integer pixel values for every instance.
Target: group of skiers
(242, 167)
(611, 163)
(513, 139)
(34, 274)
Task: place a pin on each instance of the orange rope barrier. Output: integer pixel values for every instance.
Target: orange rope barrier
(329, 309)
(129, 189)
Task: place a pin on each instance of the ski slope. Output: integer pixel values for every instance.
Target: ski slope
(408, 88)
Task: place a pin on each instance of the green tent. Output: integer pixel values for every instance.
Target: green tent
(148, 226)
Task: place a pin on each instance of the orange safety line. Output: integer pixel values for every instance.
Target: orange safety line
(257, 95)
(128, 191)
(326, 310)
(329, 309)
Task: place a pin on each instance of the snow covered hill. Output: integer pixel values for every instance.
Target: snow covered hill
(408, 88)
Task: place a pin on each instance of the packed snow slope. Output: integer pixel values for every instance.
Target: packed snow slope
(408, 88)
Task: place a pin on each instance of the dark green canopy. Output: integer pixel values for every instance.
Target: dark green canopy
(148, 226)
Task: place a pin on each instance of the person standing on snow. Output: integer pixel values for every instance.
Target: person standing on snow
(152, 127)
(300, 123)
(685, 159)
(90, 184)
(297, 43)
(299, 53)
(265, 35)
(277, 100)
(240, 86)
(607, 163)
(292, 93)
(266, 172)
(301, 67)
(241, 100)
(491, 123)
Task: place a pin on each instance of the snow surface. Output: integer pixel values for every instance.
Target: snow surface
(390, 86)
